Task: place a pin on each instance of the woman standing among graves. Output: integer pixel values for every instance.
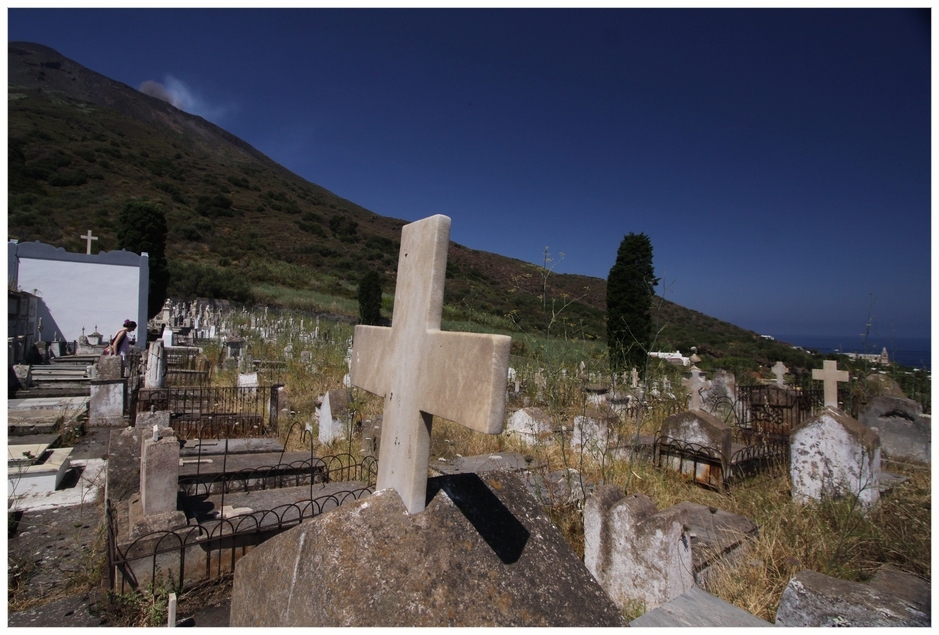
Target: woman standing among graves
(120, 345)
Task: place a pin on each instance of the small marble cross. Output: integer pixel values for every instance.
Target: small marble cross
(830, 375)
(88, 238)
(780, 370)
(695, 383)
(422, 371)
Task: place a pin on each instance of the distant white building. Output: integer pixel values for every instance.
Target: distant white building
(874, 358)
(675, 358)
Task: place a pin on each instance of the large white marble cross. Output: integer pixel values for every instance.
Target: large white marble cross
(88, 239)
(422, 371)
(830, 375)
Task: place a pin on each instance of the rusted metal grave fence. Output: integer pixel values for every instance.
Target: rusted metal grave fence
(208, 549)
(214, 412)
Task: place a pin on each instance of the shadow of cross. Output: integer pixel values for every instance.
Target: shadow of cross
(830, 376)
(422, 371)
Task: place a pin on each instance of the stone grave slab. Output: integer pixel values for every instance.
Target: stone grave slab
(212, 447)
(815, 600)
(205, 509)
(905, 434)
(75, 404)
(698, 608)
(482, 553)
(35, 468)
(511, 461)
(716, 536)
(68, 611)
(211, 465)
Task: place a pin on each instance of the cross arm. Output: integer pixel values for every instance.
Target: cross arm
(471, 394)
(368, 370)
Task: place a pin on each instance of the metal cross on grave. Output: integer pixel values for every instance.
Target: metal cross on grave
(88, 238)
(830, 375)
(422, 371)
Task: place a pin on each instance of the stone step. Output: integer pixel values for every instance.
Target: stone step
(74, 359)
(698, 608)
(57, 371)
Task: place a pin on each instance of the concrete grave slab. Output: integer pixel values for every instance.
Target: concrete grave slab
(698, 608)
(717, 536)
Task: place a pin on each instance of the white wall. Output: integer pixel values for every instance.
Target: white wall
(79, 290)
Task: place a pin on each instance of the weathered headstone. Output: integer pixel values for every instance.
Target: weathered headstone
(831, 377)
(780, 370)
(833, 455)
(905, 434)
(107, 402)
(530, 424)
(156, 365)
(698, 429)
(640, 556)
(482, 553)
(334, 415)
(109, 367)
(412, 365)
(155, 508)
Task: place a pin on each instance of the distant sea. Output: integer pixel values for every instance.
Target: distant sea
(908, 351)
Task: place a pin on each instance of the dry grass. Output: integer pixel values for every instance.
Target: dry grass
(830, 537)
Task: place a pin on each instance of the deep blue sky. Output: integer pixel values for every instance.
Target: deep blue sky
(779, 160)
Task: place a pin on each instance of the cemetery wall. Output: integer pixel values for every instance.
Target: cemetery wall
(81, 290)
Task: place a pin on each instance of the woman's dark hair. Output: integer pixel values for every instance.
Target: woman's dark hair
(130, 324)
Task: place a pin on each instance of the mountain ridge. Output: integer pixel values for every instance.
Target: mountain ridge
(81, 144)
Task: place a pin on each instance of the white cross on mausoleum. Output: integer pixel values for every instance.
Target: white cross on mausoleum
(830, 375)
(88, 239)
(422, 371)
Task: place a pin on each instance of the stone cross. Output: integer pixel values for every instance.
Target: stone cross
(88, 239)
(694, 383)
(830, 375)
(422, 371)
(634, 377)
(779, 370)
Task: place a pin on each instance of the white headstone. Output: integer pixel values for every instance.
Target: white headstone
(167, 336)
(422, 371)
(695, 383)
(780, 370)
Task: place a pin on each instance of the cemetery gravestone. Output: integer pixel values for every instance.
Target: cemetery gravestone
(334, 415)
(833, 455)
(530, 424)
(156, 365)
(411, 365)
(780, 371)
(638, 554)
(695, 383)
(904, 433)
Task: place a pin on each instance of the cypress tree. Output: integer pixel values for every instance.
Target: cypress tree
(370, 298)
(142, 228)
(629, 292)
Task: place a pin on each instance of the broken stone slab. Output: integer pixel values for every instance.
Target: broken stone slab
(698, 608)
(892, 598)
(531, 425)
(905, 434)
(717, 536)
(639, 555)
(482, 553)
